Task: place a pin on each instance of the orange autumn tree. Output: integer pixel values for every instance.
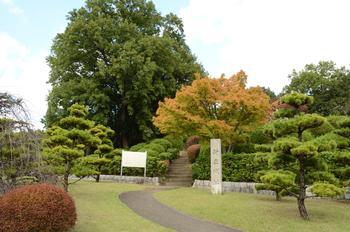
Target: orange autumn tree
(214, 108)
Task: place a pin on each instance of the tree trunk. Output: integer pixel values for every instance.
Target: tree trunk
(98, 178)
(123, 132)
(278, 196)
(65, 181)
(66, 175)
(302, 190)
(302, 209)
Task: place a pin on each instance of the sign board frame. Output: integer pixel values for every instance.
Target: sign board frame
(133, 159)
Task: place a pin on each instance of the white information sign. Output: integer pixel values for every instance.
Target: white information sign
(133, 159)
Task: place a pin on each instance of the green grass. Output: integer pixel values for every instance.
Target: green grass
(249, 212)
(99, 208)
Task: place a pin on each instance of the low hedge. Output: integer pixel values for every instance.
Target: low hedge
(39, 207)
(235, 167)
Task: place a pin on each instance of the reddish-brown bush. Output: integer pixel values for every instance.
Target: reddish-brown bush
(192, 140)
(193, 152)
(39, 207)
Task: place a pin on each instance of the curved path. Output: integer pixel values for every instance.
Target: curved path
(144, 204)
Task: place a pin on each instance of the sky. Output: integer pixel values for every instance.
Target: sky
(267, 39)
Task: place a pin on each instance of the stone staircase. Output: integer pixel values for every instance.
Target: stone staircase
(180, 172)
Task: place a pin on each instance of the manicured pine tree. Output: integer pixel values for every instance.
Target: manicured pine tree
(99, 158)
(295, 163)
(342, 158)
(70, 139)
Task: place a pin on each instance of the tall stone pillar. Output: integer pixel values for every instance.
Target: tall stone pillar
(216, 166)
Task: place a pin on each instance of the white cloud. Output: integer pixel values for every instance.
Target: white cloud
(267, 39)
(12, 7)
(24, 75)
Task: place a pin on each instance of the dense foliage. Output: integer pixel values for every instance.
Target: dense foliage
(20, 158)
(159, 153)
(39, 207)
(327, 83)
(243, 167)
(214, 108)
(119, 58)
(72, 138)
(296, 163)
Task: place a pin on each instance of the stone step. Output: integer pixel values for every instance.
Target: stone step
(179, 175)
(181, 166)
(180, 172)
(179, 169)
(181, 184)
(183, 173)
(180, 162)
(176, 180)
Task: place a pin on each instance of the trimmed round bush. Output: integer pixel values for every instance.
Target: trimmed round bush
(176, 141)
(39, 207)
(163, 142)
(192, 140)
(174, 153)
(154, 147)
(193, 152)
(137, 147)
(165, 156)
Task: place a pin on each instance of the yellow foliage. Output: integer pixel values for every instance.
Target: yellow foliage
(221, 108)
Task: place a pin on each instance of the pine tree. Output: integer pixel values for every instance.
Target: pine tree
(296, 164)
(70, 140)
(100, 157)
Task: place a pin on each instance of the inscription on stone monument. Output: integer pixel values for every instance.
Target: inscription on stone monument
(216, 168)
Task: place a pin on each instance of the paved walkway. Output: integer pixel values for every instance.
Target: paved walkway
(144, 204)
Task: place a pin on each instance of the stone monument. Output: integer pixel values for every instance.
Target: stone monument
(215, 166)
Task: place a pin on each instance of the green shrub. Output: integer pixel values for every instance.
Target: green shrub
(163, 142)
(149, 151)
(235, 167)
(243, 148)
(201, 168)
(113, 153)
(259, 136)
(154, 147)
(155, 167)
(165, 156)
(176, 141)
(244, 167)
(39, 207)
(263, 147)
(137, 147)
(174, 153)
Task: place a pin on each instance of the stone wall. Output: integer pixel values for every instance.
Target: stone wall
(127, 179)
(245, 187)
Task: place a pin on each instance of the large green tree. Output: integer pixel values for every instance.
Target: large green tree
(327, 83)
(119, 58)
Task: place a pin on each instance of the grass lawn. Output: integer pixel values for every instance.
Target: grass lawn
(250, 212)
(99, 208)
